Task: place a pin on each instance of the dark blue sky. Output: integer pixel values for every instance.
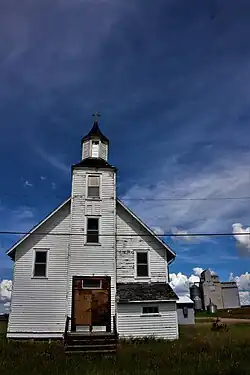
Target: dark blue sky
(172, 81)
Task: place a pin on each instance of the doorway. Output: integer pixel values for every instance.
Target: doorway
(91, 304)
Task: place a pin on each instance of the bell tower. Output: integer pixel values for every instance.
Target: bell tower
(92, 250)
(95, 144)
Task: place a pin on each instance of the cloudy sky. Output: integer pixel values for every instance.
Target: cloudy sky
(171, 79)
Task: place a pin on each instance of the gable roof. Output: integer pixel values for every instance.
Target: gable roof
(170, 251)
(94, 163)
(11, 251)
(184, 299)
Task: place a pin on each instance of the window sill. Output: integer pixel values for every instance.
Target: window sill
(142, 278)
(92, 199)
(150, 315)
(92, 244)
(40, 277)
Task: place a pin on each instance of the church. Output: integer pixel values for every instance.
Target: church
(92, 265)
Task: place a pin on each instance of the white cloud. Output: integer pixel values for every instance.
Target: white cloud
(5, 295)
(53, 184)
(242, 236)
(181, 283)
(157, 230)
(43, 178)
(54, 160)
(27, 184)
(174, 202)
(5, 290)
(243, 283)
(197, 271)
(23, 213)
(183, 235)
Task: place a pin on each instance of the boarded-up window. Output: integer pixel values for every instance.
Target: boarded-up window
(142, 264)
(93, 186)
(150, 309)
(40, 266)
(92, 230)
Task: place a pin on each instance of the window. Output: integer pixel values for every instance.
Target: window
(95, 149)
(40, 267)
(92, 230)
(142, 264)
(185, 311)
(91, 284)
(150, 309)
(93, 186)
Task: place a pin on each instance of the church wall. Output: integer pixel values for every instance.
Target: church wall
(38, 305)
(131, 236)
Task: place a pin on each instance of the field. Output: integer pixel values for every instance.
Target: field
(198, 352)
(240, 313)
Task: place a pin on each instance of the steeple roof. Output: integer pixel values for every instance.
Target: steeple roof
(95, 132)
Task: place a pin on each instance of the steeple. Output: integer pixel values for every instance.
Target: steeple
(95, 144)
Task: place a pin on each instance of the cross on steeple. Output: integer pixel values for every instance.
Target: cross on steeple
(96, 116)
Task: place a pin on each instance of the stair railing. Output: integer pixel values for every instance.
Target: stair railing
(115, 327)
(66, 327)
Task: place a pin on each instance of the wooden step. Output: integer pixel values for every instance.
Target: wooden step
(97, 342)
(89, 347)
(94, 352)
(88, 341)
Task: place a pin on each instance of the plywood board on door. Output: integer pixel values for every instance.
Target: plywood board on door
(83, 300)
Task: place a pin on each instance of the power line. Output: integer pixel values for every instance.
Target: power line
(125, 234)
(132, 199)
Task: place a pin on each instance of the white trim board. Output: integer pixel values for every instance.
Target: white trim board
(10, 252)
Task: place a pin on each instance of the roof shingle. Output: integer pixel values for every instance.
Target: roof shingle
(94, 163)
(128, 292)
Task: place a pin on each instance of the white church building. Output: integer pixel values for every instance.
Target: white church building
(92, 262)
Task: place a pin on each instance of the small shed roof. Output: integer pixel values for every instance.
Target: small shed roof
(184, 299)
(135, 292)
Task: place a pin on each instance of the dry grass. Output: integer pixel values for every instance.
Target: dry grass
(198, 352)
(239, 313)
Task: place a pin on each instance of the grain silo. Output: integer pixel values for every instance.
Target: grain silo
(195, 296)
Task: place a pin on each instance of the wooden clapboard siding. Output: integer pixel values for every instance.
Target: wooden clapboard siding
(86, 259)
(39, 305)
(137, 238)
(131, 322)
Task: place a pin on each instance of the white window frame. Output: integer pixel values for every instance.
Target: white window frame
(100, 186)
(90, 287)
(135, 262)
(41, 250)
(86, 231)
(150, 314)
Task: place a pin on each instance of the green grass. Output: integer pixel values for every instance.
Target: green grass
(240, 313)
(3, 327)
(198, 352)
